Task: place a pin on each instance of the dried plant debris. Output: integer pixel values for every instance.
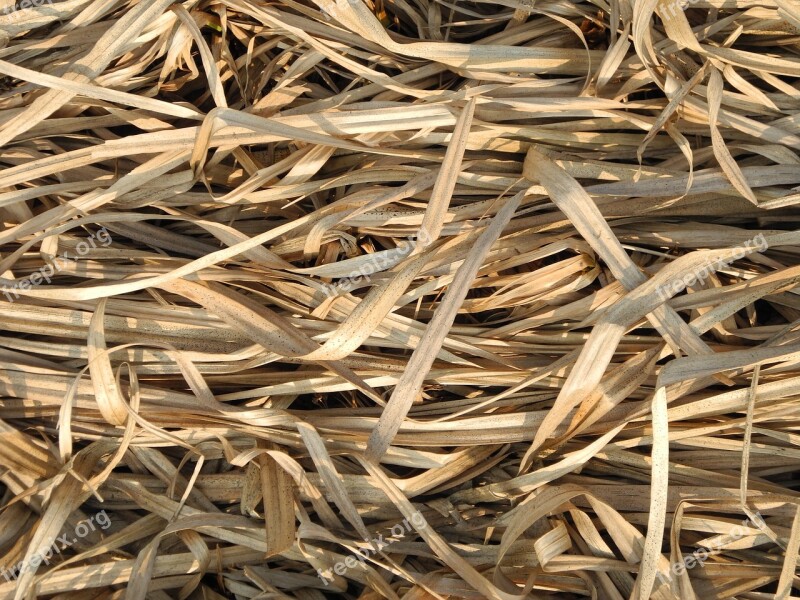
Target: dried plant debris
(406, 299)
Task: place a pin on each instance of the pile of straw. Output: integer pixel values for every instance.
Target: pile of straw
(400, 298)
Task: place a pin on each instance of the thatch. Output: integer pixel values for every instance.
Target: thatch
(514, 282)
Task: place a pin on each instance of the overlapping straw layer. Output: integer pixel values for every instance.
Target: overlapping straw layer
(400, 298)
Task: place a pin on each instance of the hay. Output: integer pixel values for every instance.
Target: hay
(400, 298)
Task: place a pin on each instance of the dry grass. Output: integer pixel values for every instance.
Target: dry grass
(286, 273)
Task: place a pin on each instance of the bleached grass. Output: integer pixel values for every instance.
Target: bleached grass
(515, 386)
